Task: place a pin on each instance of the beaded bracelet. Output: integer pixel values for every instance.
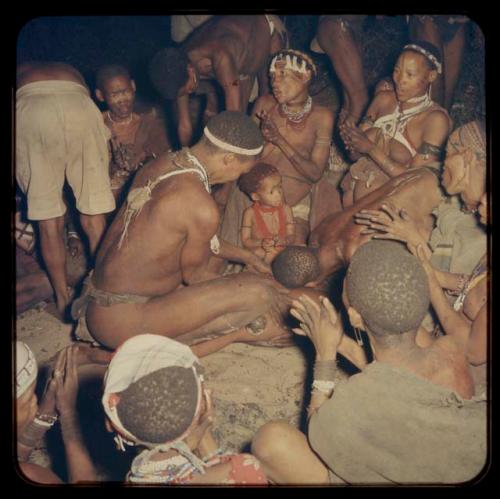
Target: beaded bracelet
(323, 386)
(46, 420)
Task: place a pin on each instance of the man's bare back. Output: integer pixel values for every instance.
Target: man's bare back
(338, 236)
(246, 39)
(155, 239)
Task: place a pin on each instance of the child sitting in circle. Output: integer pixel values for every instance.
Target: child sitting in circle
(155, 398)
(267, 226)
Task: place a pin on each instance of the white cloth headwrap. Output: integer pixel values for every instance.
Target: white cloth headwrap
(229, 147)
(26, 368)
(425, 53)
(136, 358)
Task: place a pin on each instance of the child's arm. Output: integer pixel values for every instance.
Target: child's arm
(246, 231)
(290, 226)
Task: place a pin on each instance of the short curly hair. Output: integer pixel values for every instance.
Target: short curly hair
(168, 71)
(236, 129)
(250, 182)
(296, 266)
(388, 286)
(160, 406)
(108, 72)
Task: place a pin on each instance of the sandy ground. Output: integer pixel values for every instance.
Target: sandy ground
(251, 385)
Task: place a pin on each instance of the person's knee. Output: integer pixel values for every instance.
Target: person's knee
(270, 441)
(51, 228)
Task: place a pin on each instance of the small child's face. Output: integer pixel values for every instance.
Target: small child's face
(270, 192)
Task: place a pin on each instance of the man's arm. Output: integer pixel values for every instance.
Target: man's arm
(321, 324)
(201, 227)
(227, 75)
(184, 126)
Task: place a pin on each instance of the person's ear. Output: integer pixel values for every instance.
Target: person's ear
(432, 75)
(254, 196)
(99, 95)
(355, 319)
(228, 158)
(132, 83)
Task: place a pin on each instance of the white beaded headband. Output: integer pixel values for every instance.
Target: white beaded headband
(230, 147)
(291, 62)
(425, 53)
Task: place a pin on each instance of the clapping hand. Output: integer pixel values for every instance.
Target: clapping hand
(320, 323)
(268, 127)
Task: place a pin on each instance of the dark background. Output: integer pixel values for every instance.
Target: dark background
(88, 42)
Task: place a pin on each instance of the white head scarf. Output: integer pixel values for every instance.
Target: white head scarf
(26, 368)
(136, 358)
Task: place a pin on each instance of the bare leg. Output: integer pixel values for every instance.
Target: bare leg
(94, 226)
(338, 41)
(54, 255)
(453, 56)
(286, 456)
(424, 28)
(197, 309)
(32, 289)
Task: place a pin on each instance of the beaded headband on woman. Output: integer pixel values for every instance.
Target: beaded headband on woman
(229, 147)
(425, 53)
(294, 60)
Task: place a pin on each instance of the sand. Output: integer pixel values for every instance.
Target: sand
(251, 385)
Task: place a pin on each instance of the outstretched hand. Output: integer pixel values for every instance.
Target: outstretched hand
(320, 323)
(390, 223)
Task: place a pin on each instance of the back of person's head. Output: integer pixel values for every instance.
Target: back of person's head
(108, 72)
(26, 368)
(471, 136)
(388, 287)
(430, 52)
(296, 266)
(250, 182)
(152, 391)
(168, 71)
(160, 406)
(233, 131)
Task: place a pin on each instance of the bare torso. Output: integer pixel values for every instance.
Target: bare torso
(35, 71)
(385, 104)
(246, 39)
(295, 186)
(338, 237)
(148, 262)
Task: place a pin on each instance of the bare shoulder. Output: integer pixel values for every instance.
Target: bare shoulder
(438, 117)
(265, 102)
(322, 112)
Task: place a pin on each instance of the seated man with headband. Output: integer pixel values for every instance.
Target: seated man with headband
(403, 128)
(155, 397)
(151, 272)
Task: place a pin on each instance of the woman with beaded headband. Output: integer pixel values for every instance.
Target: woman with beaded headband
(403, 128)
(297, 136)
